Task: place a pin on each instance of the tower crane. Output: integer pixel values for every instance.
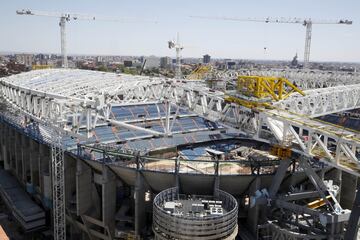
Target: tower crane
(64, 17)
(178, 48)
(307, 22)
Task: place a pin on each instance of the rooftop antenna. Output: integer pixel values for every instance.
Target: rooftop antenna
(172, 44)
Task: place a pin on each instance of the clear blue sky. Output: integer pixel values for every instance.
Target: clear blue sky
(218, 38)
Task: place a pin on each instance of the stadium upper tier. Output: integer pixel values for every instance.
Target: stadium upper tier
(76, 83)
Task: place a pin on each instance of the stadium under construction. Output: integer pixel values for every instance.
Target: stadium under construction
(93, 155)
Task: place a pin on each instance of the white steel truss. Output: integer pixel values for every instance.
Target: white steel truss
(304, 79)
(87, 100)
(323, 101)
(309, 79)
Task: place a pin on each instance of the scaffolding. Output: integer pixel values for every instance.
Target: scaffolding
(57, 159)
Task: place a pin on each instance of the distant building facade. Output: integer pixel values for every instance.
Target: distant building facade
(152, 62)
(26, 59)
(231, 65)
(206, 59)
(128, 63)
(165, 62)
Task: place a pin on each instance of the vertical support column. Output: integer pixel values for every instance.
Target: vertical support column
(1, 140)
(25, 152)
(34, 164)
(259, 126)
(353, 224)
(309, 142)
(45, 177)
(5, 149)
(139, 196)
(18, 156)
(167, 117)
(12, 152)
(348, 187)
(177, 169)
(83, 187)
(108, 199)
(338, 152)
(338, 182)
(217, 177)
(254, 212)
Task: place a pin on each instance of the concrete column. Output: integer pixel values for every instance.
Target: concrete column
(108, 198)
(1, 140)
(18, 158)
(216, 178)
(3, 137)
(12, 149)
(45, 177)
(34, 163)
(25, 153)
(338, 181)
(348, 190)
(254, 212)
(139, 196)
(7, 144)
(83, 187)
(4, 150)
(176, 175)
(70, 182)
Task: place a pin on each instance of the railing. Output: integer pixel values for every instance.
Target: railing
(142, 162)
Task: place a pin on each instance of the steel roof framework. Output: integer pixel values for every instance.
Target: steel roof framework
(54, 96)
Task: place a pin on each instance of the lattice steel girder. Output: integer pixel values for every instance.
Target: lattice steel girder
(304, 79)
(277, 88)
(337, 145)
(324, 140)
(58, 194)
(318, 102)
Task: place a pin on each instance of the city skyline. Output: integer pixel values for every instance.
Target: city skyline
(220, 39)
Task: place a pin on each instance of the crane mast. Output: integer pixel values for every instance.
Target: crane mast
(305, 22)
(63, 18)
(63, 42)
(178, 48)
(307, 44)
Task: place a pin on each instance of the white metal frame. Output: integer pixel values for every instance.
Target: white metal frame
(323, 101)
(89, 96)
